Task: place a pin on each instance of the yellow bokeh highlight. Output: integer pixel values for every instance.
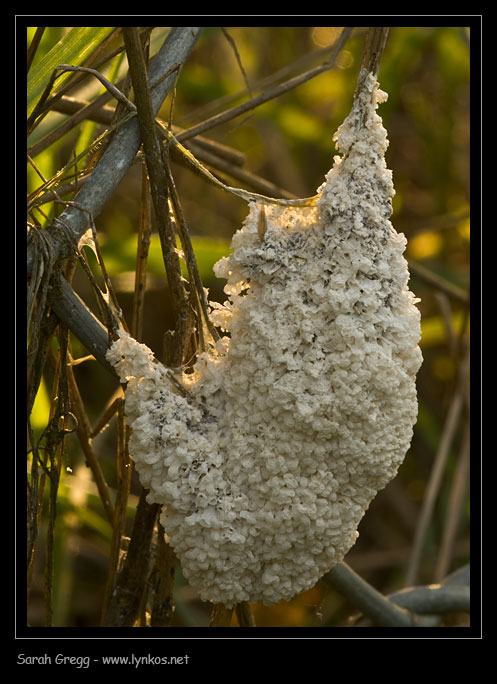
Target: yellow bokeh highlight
(464, 229)
(425, 245)
(433, 330)
(323, 36)
(299, 124)
(344, 60)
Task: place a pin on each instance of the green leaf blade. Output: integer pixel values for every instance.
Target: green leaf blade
(72, 49)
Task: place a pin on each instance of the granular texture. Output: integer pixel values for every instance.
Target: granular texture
(296, 418)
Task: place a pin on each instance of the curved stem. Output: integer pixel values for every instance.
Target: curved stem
(433, 599)
(371, 602)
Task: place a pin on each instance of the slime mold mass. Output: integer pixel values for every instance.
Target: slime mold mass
(290, 425)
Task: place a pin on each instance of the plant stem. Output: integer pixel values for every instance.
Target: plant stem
(123, 147)
(131, 581)
(162, 610)
(451, 425)
(220, 616)
(124, 469)
(373, 604)
(433, 599)
(244, 614)
(376, 39)
(268, 94)
(70, 309)
(144, 235)
(158, 178)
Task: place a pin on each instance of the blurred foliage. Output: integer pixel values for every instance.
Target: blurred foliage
(287, 141)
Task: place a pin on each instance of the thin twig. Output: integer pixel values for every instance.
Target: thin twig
(215, 159)
(54, 448)
(40, 327)
(266, 82)
(190, 256)
(38, 350)
(83, 431)
(454, 507)
(154, 156)
(46, 101)
(123, 147)
(239, 192)
(446, 312)
(421, 271)
(94, 110)
(98, 143)
(71, 309)
(109, 412)
(217, 164)
(107, 84)
(123, 472)
(88, 111)
(104, 115)
(268, 94)
(143, 245)
(40, 30)
(232, 44)
(450, 427)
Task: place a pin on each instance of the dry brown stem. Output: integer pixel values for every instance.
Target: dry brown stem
(220, 616)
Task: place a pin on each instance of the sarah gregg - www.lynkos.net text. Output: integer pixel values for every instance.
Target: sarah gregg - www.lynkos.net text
(84, 662)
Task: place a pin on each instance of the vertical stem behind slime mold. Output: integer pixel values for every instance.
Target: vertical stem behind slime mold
(376, 39)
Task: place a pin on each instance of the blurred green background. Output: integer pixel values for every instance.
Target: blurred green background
(288, 141)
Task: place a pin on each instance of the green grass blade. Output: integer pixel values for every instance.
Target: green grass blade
(72, 49)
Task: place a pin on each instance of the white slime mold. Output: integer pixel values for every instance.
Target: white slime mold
(292, 424)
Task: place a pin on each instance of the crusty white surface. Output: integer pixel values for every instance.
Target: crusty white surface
(306, 409)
